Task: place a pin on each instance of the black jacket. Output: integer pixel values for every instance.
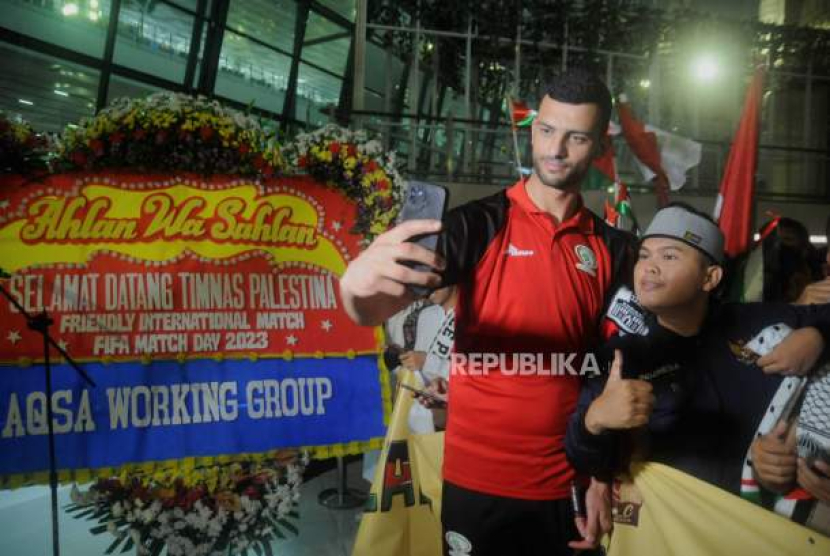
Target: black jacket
(709, 395)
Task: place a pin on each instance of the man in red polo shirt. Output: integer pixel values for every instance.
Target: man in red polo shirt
(534, 268)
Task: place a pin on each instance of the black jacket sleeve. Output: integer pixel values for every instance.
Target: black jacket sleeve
(591, 454)
(817, 316)
(468, 232)
(657, 357)
(796, 316)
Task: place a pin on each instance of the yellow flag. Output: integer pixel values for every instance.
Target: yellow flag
(402, 515)
(667, 512)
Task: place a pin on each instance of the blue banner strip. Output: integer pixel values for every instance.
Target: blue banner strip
(201, 408)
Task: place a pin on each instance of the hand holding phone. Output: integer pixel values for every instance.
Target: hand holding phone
(381, 280)
(424, 201)
(434, 399)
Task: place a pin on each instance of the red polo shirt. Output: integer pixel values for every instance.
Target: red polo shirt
(538, 288)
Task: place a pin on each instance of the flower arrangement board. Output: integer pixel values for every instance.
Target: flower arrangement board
(206, 310)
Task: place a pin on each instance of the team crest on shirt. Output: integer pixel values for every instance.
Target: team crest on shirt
(587, 259)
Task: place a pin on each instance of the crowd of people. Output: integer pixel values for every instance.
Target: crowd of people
(686, 378)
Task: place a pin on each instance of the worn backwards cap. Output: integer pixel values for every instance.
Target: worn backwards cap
(690, 228)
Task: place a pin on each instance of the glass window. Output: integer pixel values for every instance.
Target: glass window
(191, 5)
(154, 38)
(346, 8)
(270, 21)
(326, 44)
(251, 72)
(316, 91)
(123, 87)
(46, 91)
(79, 26)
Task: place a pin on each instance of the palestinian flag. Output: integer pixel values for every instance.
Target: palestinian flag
(733, 210)
(520, 114)
(643, 143)
(603, 171)
(745, 276)
(620, 214)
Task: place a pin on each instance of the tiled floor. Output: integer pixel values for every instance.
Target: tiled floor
(25, 527)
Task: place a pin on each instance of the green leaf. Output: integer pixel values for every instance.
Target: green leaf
(128, 546)
(294, 514)
(257, 549)
(267, 546)
(156, 547)
(98, 529)
(85, 514)
(277, 531)
(288, 525)
(114, 545)
(75, 508)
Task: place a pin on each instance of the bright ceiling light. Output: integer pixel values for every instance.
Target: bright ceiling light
(61, 93)
(645, 83)
(70, 9)
(26, 102)
(705, 68)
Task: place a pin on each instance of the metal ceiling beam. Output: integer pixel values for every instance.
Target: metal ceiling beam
(109, 51)
(213, 46)
(195, 44)
(328, 38)
(289, 107)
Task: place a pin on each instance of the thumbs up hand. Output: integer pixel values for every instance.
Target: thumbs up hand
(623, 404)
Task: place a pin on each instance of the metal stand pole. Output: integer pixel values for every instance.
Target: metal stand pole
(342, 497)
(41, 323)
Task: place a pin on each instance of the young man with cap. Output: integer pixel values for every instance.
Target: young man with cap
(533, 268)
(685, 374)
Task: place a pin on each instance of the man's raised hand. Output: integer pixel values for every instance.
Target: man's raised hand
(623, 404)
(373, 287)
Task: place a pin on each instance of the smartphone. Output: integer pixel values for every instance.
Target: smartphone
(425, 394)
(423, 201)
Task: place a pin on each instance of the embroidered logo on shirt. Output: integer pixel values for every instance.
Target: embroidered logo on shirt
(587, 260)
(513, 251)
(743, 353)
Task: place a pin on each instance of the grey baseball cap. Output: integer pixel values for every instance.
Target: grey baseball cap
(693, 229)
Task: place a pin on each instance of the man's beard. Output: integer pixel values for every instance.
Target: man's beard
(567, 182)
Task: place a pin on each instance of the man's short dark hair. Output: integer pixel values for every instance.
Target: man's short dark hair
(581, 86)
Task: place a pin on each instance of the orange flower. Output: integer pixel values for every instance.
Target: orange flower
(228, 500)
